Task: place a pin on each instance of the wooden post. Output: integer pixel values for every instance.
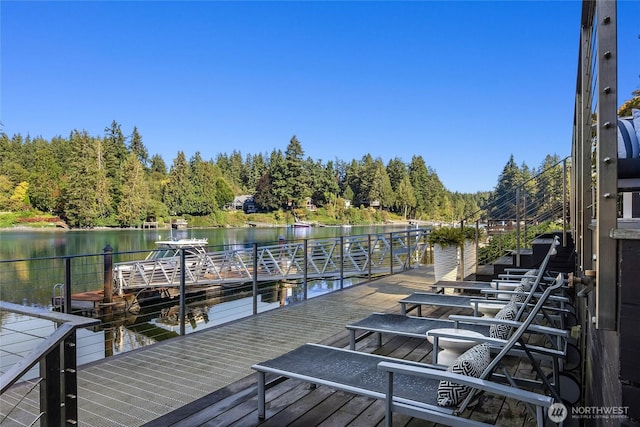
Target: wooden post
(108, 274)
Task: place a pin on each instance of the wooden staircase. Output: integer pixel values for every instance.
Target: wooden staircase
(563, 261)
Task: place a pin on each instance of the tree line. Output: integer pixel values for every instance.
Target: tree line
(111, 180)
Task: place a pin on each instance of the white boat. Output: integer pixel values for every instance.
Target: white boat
(301, 224)
(161, 267)
(171, 248)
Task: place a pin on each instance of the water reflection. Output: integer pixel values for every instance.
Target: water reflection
(30, 281)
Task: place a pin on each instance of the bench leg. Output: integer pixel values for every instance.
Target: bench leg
(261, 395)
(352, 339)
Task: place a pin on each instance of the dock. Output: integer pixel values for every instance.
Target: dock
(205, 378)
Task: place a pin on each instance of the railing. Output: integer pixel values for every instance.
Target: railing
(594, 155)
(55, 382)
(534, 206)
(243, 280)
(341, 257)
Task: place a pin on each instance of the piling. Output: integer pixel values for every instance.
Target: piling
(108, 274)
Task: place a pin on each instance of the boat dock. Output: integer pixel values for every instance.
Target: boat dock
(205, 378)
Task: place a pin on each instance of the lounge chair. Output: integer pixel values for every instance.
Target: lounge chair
(456, 334)
(408, 387)
(417, 299)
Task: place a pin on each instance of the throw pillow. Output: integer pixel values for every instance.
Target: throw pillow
(500, 331)
(528, 282)
(472, 363)
(522, 296)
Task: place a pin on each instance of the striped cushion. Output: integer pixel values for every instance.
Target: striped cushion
(628, 146)
(471, 363)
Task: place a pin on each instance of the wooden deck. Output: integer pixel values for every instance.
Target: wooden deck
(205, 378)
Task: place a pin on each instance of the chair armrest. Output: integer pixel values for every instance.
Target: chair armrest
(563, 333)
(477, 383)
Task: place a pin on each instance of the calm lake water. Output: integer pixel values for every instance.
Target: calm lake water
(30, 281)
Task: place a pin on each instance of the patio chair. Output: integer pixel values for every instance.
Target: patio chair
(408, 387)
(452, 336)
(417, 299)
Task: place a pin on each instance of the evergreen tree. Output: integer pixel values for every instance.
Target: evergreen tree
(264, 196)
(397, 171)
(179, 192)
(547, 197)
(45, 178)
(104, 184)
(405, 196)
(112, 156)
(137, 146)
(504, 194)
(324, 183)
(158, 165)
(380, 187)
(256, 168)
(277, 181)
(80, 202)
(132, 207)
(353, 182)
(419, 177)
(203, 180)
(297, 179)
(235, 170)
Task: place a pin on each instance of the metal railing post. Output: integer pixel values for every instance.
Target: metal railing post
(50, 401)
(183, 291)
(254, 291)
(391, 251)
(67, 285)
(305, 245)
(409, 249)
(70, 380)
(518, 227)
(370, 251)
(341, 262)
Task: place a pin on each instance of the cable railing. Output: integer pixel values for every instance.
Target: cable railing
(513, 219)
(46, 371)
(238, 280)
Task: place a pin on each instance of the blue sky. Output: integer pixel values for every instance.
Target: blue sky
(463, 84)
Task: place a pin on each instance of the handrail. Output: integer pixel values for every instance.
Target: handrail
(57, 358)
(14, 373)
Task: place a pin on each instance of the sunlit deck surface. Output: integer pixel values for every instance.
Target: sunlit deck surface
(205, 378)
